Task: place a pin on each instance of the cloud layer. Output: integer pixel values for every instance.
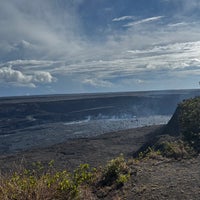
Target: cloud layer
(82, 46)
(38, 29)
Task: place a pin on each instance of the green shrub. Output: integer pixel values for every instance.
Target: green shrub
(116, 172)
(150, 152)
(189, 119)
(176, 149)
(35, 185)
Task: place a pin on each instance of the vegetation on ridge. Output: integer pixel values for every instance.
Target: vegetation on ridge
(189, 119)
(185, 142)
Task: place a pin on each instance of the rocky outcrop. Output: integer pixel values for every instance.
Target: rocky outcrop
(173, 126)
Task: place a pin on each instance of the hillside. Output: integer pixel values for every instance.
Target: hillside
(185, 122)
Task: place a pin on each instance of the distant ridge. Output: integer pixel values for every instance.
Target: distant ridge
(55, 97)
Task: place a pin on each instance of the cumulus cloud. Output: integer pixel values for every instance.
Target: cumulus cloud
(43, 77)
(17, 78)
(10, 76)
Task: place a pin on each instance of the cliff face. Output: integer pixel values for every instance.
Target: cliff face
(173, 126)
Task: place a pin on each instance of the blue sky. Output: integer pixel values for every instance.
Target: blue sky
(81, 46)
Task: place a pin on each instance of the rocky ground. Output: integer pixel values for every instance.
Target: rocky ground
(95, 150)
(159, 178)
(162, 179)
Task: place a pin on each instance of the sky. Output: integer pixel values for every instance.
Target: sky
(91, 46)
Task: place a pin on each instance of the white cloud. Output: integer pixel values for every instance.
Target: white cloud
(178, 24)
(146, 20)
(17, 78)
(139, 65)
(97, 82)
(43, 77)
(8, 75)
(29, 62)
(123, 18)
